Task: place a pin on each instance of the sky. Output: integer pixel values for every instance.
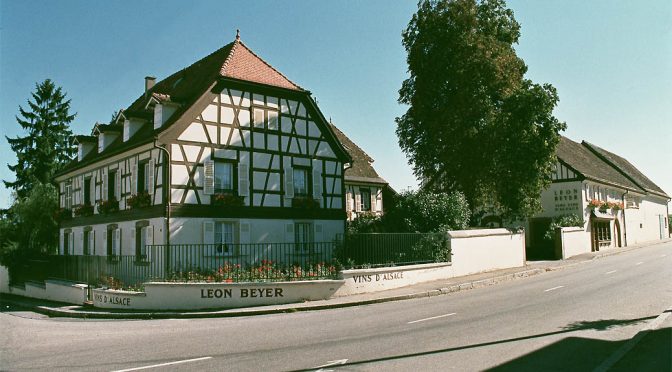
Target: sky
(611, 62)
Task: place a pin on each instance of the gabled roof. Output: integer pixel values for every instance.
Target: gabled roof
(601, 165)
(627, 169)
(590, 165)
(361, 169)
(233, 61)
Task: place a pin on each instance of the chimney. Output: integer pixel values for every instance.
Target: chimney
(149, 83)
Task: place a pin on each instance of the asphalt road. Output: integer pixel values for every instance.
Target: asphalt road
(572, 319)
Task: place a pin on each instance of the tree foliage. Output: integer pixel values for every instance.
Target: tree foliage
(46, 146)
(419, 211)
(474, 123)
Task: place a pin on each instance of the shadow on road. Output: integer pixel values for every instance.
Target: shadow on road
(560, 355)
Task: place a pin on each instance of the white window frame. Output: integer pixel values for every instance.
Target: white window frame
(303, 236)
(224, 240)
(297, 174)
(224, 180)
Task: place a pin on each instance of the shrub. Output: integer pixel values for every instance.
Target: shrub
(568, 220)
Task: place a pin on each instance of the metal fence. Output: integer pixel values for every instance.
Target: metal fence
(237, 262)
(389, 249)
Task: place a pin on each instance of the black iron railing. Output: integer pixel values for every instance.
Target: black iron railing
(386, 249)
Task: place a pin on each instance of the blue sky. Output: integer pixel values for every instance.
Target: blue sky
(611, 62)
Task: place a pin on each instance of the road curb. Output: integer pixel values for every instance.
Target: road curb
(61, 312)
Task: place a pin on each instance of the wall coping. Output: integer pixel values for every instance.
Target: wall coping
(121, 292)
(397, 268)
(460, 234)
(572, 229)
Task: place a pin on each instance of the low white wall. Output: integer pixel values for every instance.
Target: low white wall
(4, 279)
(194, 296)
(575, 241)
(53, 290)
(475, 251)
(384, 278)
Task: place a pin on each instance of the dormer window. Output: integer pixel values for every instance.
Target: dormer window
(163, 107)
(107, 134)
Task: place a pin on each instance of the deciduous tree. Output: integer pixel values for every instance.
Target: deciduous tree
(474, 123)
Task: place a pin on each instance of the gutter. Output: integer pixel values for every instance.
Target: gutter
(625, 225)
(166, 186)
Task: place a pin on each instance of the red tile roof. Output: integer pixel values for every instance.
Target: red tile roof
(243, 64)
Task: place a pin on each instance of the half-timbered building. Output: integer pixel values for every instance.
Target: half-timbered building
(619, 205)
(225, 151)
(366, 191)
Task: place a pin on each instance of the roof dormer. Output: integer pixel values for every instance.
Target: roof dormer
(163, 107)
(131, 124)
(84, 145)
(107, 133)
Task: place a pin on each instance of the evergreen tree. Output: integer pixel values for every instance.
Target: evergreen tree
(475, 124)
(46, 147)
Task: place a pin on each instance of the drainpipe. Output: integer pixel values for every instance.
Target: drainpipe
(625, 225)
(165, 186)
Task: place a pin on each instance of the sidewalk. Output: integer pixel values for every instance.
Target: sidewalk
(428, 289)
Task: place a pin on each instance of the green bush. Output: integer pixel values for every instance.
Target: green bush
(568, 220)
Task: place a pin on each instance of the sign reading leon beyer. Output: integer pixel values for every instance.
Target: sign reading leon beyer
(242, 292)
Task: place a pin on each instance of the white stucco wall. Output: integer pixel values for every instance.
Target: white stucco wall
(193, 296)
(4, 279)
(477, 251)
(99, 231)
(643, 224)
(384, 278)
(190, 230)
(575, 241)
(53, 290)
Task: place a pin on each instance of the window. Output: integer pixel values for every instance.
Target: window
(300, 181)
(86, 242)
(224, 238)
(113, 242)
(67, 243)
(366, 199)
(87, 191)
(144, 236)
(67, 204)
(303, 236)
(143, 176)
(223, 176)
(111, 185)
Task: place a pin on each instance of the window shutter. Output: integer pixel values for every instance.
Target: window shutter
(317, 179)
(348, 202)
(81, 241)
(81, 190)
(71, 243)
(150, 182)
(134, 177)
(245, 233)
(289, 232)
(117, 237)
(134, 241)
(117, 184)
(92, 242)
(318, 237)
(374, 206)
(358, 202)
(209, 170)
(105, 241)
(289, 183)
(105, 185)
(149, 240)
(243, 179)
(379, 200)
(208, 232)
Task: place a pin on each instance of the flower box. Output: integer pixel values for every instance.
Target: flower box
(139, 200)
(108, 206)
(84, 210)
(305, 202)
(227, 200)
